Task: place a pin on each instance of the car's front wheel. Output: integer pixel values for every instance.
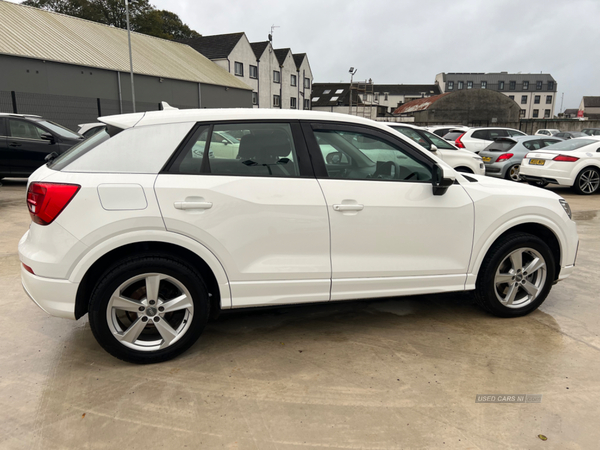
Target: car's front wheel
(588, 181)
(148, 309)
(515, 276)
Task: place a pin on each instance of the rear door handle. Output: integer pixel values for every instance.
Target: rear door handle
(348, 207)
(14, 144)
(193, 205)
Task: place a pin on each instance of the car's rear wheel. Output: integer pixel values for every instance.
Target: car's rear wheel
(148, 309)
(512, 173)
(515, 276)
(588, 181)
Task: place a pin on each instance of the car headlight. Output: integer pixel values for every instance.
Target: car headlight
(566, 207)
(478, 158)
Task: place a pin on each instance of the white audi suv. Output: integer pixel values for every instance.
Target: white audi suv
(150, 235)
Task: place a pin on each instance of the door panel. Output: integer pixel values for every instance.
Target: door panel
(266, 223)
(389, 234)
(26, 148)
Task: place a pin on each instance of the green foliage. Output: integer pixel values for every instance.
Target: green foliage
(144, 18)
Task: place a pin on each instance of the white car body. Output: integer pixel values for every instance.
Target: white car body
(86, 129)
(459, 159)
(476, 139)
(275, 240)
(540, 165)
(547, 131)
(441, 130)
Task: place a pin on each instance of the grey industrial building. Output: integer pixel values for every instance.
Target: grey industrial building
(72, 70)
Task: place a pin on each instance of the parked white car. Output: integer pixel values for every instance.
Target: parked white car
(575, 162)
(476, 139)
(148, 240)
(89, 129)
(547, 131)
(459, 159)
(442, 130)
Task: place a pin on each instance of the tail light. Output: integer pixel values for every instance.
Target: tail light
(458, 142)
(504, 157)
(47, 200)
(565, 158)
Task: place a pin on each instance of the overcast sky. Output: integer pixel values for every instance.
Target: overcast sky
(410, 41)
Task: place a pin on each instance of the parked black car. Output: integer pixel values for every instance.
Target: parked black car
(570, 134)
(591, 131)
(26, 140)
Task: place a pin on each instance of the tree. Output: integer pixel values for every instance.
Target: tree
(144, 18)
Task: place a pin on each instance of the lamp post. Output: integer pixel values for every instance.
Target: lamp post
(352, 71)
(130, 57)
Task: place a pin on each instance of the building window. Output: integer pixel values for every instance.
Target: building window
(276, 76)
(548, 99)
(538, 85)
(523, 99)
(293, 103)
(469, 85)
(326, 91)
(550, 85)
(536, 113)
(500, 85)
(484, 85)
(334, 98)
(293, 80)
(306, 83)
(385, 96)
(512, 85)
(512, 97)
(460, 85)
(339, 91)
(306, 103)
(522, 113)
(376, 97)
(450, 85)
(239, 69)
(525, 85)
(536, 99)
(315, 99)
(254, 97)
(253, 72)
(276, 100)
(546, 114)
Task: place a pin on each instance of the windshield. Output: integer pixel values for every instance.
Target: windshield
(81, 149)
(59, 129)
(571, 144)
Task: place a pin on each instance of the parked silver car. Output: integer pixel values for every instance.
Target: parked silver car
(502, 158)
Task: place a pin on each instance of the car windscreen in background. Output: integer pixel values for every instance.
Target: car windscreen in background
(571, 144)
(500, 146)
(81, 149)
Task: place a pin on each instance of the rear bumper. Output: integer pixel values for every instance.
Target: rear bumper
(54, 296)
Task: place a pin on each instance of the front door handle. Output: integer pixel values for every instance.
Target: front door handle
(193, 205)
(353, 207)
(14, 144)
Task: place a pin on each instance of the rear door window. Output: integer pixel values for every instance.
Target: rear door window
(495, 134)
(24, 130)
(481, 134)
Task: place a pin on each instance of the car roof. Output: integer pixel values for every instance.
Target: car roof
(201, 115)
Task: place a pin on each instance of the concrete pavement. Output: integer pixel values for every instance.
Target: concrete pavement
(396, 373)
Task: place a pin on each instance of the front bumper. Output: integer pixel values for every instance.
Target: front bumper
(56, 297)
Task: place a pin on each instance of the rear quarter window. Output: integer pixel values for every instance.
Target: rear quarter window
(134, 150)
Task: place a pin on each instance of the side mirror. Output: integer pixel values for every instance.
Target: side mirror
(336, 158)
(48, 137)
(433, 148)
(443, 178)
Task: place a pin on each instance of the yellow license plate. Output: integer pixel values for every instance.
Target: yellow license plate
(486, 158)
(537, 162)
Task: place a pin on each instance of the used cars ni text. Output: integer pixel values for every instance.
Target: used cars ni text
(150, 236)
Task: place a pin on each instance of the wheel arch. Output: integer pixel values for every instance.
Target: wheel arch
(543, 231)
(214, 276)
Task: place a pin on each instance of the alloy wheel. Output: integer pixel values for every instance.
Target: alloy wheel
(589, 180)
(150, 312)
(520, 278)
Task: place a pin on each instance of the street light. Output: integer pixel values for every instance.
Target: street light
(130, 57)
(352, 71)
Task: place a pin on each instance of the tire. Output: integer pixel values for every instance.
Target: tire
(134, 328)
(463, 170)
(512, 173)
(588, 181)
(499, 276)
(539, 183)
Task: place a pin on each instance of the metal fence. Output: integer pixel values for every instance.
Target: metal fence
(68, 111)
